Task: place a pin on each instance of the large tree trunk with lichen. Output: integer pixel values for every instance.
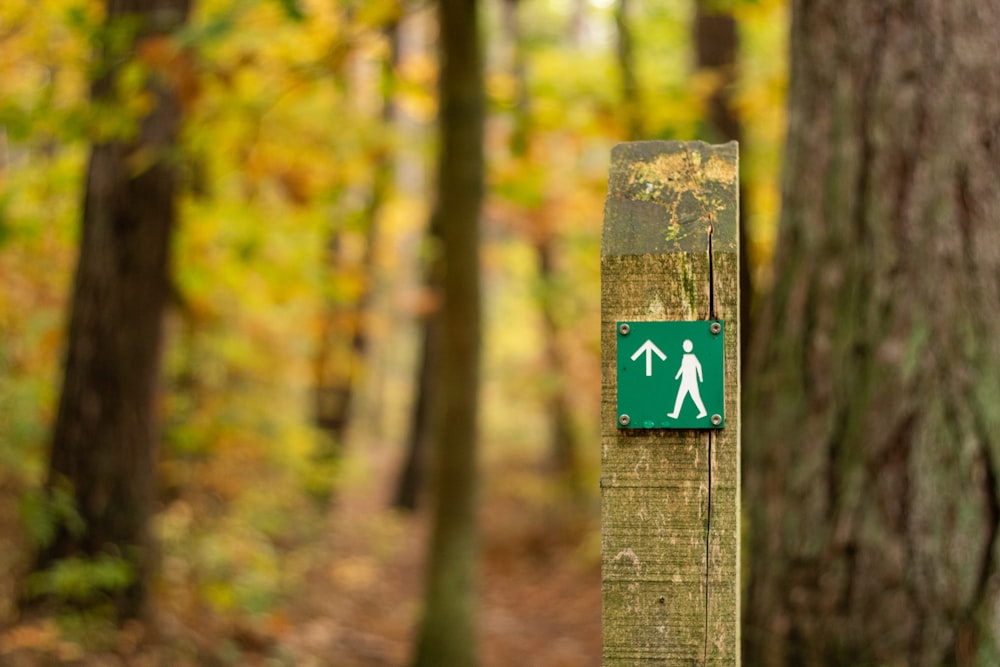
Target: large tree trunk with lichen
(873, 419)
(103, 440)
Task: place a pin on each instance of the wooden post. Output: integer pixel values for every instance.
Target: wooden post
(670, 497)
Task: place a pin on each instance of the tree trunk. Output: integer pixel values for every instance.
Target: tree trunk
(447, 635)
(544, 238)
(343, 344)
(563, 443)
(103, 445)
(410, 480)
(716, 45)
(625, 57)
(411, 476)
(873, 421)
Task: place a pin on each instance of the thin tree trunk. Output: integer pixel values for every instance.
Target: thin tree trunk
(104, 444)
(563, 444)
(625, 54)
(873, 420)
(447, 636)
(412, 473)
(338, 375)
(717, 45)
(410, 480)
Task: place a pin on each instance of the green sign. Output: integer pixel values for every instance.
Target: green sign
(671, 374)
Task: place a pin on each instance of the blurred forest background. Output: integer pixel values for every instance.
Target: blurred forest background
(290, 511)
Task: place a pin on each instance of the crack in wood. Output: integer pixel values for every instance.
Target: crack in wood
(711, 442)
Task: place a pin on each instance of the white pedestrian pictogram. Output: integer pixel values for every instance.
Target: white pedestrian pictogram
(689, 375)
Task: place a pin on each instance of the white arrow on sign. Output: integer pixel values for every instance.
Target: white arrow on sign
(650, 349)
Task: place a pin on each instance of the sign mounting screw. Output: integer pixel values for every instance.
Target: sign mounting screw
(624, 329)
(716, 420)
(624, 420)
(715, 328)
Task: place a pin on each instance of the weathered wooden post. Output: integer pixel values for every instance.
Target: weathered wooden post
(670, 422)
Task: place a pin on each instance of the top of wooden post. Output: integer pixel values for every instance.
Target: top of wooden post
(664, 196)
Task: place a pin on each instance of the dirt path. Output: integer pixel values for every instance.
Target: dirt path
(539, 598)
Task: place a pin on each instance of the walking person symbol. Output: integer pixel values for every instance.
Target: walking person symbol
(690, 375)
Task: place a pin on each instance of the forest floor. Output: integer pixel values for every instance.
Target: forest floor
(539, 591)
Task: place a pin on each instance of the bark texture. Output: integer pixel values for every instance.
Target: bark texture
(447, 635)
(873, 393)
(103, 444)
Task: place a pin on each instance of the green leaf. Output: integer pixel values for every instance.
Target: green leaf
(82, 578)
(43, 511)
(292, 10)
